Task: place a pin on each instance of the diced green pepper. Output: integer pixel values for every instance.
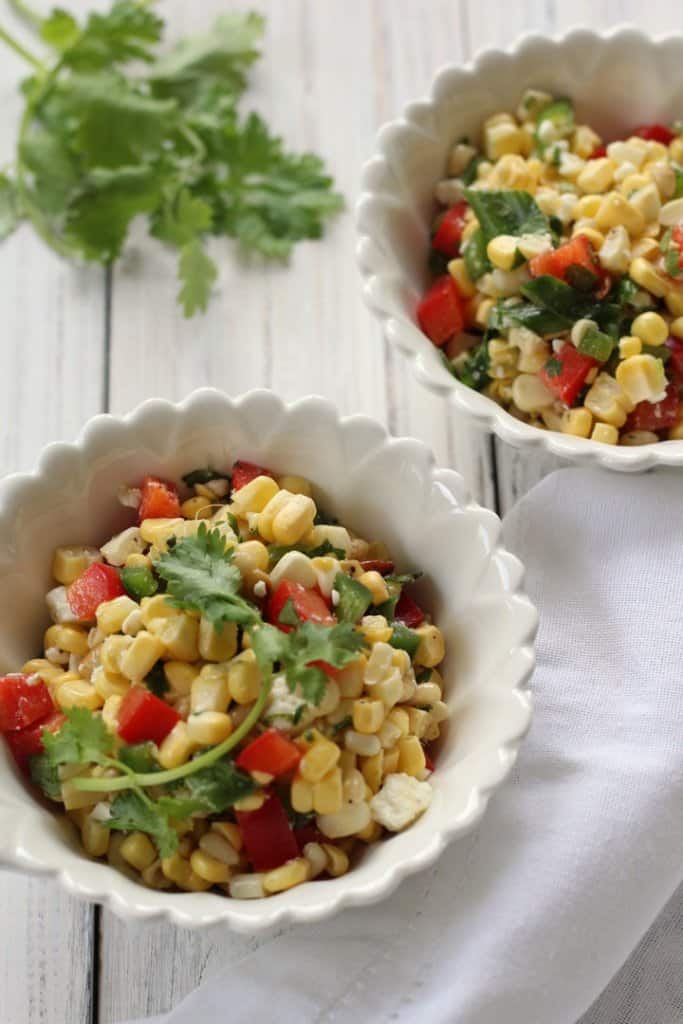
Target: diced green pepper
(405, 639)
(139, 581)
(596, 344)
(555, 122)
(354, 598)
(474, 255)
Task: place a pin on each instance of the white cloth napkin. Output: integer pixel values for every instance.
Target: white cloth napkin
(552, 910)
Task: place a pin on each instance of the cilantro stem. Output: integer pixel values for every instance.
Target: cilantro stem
(210, 757)
(26, 13)
(21, 50)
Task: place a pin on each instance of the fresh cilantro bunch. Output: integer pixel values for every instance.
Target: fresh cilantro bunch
(101, 143)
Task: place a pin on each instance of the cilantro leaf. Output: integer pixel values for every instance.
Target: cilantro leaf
(472, 367)
(201, 576)
(507, 212)
(130, 813)
(9, 206)
(139, 757)
(218, 787)
(83, 739)
(354, 598)
(45, 775)
(278, 551)
(123, 34)
(197, 273)
(180, 221)
(156, 681)
(98, 218)
(59, 30)
(288, 616)
(553, 367)
(203, 476)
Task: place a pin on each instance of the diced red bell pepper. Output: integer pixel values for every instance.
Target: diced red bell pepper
(383, 566)
(23, 702)
(331, 671)
(142, 717)
(96, 584)
(566, 382)
(158, 499)
(655, 133)
(598, 152)
(441, 312)
(26, 743)
(271, 752)
(408, 612)
(674, 367)
(308, 834)
(309, 605)
(656, 415)
(448, 235)
(578, 252)
(268, 838)
(244, 472)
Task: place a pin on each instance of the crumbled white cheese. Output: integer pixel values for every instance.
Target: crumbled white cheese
(100, 812)
(335, 597)
(58, 606)
(129, 497)
(124, 544)
(260, 588)
(283, 706)
(400, 801)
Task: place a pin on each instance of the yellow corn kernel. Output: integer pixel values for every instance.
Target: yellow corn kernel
(503, 136)
(209, 728)
(375, 583)
(211, 690)
(320, 758)
(109, 684)
(110, 712)
(633, 438)
(458, 271)
(584, 141)
(390, 761)
(255, 495)
(644, 274)
(646, 201)
(112, 652)
(375, 629)
(411, 756)
(208, 868)
(67, 638)
(157, 607)
(95, 837)
(296, 485)
(76, 693)
(253, 802)
(138, 561)
(419, 721)
(294, 521)
(327, 793)
(141, 656)
(676, 149)
(179, 637)
(138, 850)
(641, 378)
(614, 210)
(587, 206)
(605, 433)
(350, 679)
(178, 870)
(337, 862)
(176, 748)
(251, 557)
(578, 423)
(244, 678)
(301, 795)
(647, 248)
(372, 831)
(632, 182)
(180, 677)
(159, 531)
(347, 762)
(399, 716)
(368, 715)
(483, 310)
(597, 175)
(197, 508)
(651, 328)
(230, 832)
(111, 615)
(607, 401)
(502, 251)
(513, 172)
(676, 327)
(214, 645)
(629, 346)
(69, 562)
(432, 649)
(595, 237)
(266, 516)
(74, 799)
(674, 302)
(530, 394)
(371, 769)
(294, 872)
(43, 668)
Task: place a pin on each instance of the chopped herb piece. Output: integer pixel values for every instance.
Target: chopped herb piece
(82, 739)
(469, 175)
(139, 757)
(45, 774)
(553, 367)
(156, 680)
(203, 476)
(278, 551)
(424, 676)
(288, 616)
(472, 367)
(506, 213)
(596, 344)
(404, 639)
(131, 812)
(345, 723)
(475, 256)
(354, 598)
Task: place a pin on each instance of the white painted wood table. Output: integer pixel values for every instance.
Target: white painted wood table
(78, 341)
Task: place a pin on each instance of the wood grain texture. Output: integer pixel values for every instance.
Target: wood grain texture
(333, 71)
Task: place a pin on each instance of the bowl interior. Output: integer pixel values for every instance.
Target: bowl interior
(383, 489)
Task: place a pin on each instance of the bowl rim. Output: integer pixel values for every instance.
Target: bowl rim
(402, 332)
(205, 909)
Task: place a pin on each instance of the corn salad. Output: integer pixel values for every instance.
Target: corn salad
(560, 273)
(236, 693)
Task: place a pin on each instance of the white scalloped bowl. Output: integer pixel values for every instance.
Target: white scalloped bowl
(617, 80)
(385, 488)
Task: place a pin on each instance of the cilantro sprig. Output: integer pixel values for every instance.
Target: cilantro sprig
(101, 143)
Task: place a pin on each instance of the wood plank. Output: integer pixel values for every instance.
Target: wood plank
(51, 373)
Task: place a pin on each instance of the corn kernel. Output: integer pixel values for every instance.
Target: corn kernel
(458, 271)
(633, 438)
(584, 141)
(676, 327)
(251, 557)
(197, 508)
(141, 656)
(597, 175)
(337, 860)
(371, 769)
(138, 850)
(368, 715)
(419, 721)
(296, 485)
(376, 584)
(69, 562)
(211, 690)
(644, 274)
(676, 432)
(351, 819)
(253, 802)
(614, 210)
(76, 693)
(642, 378)
(674, 302)
(109, 684)
(159, 531)
(294, 872)
(483, 311)
(255, 495)
(328, 794)
(294, 521)
(371, 832)
(578, 423)
(74, 799)
(157, 607)
(43, 668)
(320, 758)
(432, 649)
(470, 227)
(605, 433)
(112, 614)
(607, 401)
(209, 728)
(411, 756)
(651, 328)
(399, 716)
(376, 629)
(530, 394)
(67, 638)
(180, 677)
(95, 837)
(179, 637)
(676, 149)
(503, 137)
(176, 748)
(301, 795)
(208, 868)
(502, 251)
(215, 645)
(629, 346)
(391, 758)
